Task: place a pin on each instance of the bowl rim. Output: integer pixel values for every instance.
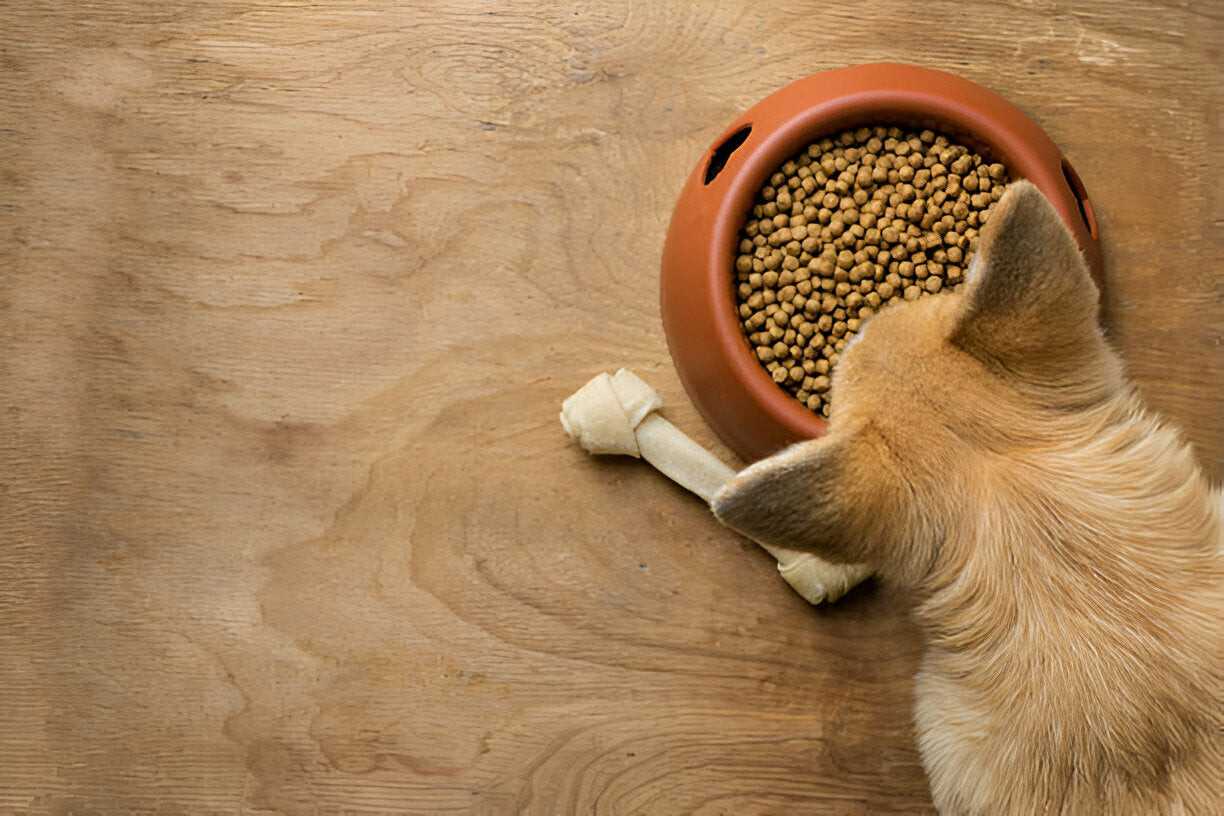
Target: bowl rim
(821, 105)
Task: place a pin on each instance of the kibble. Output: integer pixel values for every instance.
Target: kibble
(846, 227)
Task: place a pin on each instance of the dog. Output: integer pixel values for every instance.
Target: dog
(987, 456)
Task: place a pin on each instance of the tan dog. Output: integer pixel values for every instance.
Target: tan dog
(987, 454)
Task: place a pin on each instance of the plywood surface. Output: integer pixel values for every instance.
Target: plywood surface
(290, 294)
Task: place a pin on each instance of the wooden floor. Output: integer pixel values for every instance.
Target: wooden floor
(291, 294)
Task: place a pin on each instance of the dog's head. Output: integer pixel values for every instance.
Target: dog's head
(930, 398)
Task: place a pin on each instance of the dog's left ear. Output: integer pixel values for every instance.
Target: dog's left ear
(1029, 297)
(836, 496)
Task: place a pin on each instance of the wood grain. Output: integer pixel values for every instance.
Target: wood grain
(291, 294)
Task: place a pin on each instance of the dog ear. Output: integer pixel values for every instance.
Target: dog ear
(1028, 297)
(836, 496)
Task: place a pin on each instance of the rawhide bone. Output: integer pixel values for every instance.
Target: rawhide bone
(618, 414)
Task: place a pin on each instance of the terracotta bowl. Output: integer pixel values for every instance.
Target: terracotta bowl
(733, 392)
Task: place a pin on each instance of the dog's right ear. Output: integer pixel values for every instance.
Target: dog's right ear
(1029, 299)
(838, 497)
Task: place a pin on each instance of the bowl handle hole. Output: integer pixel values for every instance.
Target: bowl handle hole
(722, 153)
(1081, 197)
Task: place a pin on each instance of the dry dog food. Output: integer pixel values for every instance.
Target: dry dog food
(854, 222)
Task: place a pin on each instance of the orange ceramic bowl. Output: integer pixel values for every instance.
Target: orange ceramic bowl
(730, 388)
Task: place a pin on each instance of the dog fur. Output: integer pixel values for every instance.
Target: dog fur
(987, 456)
